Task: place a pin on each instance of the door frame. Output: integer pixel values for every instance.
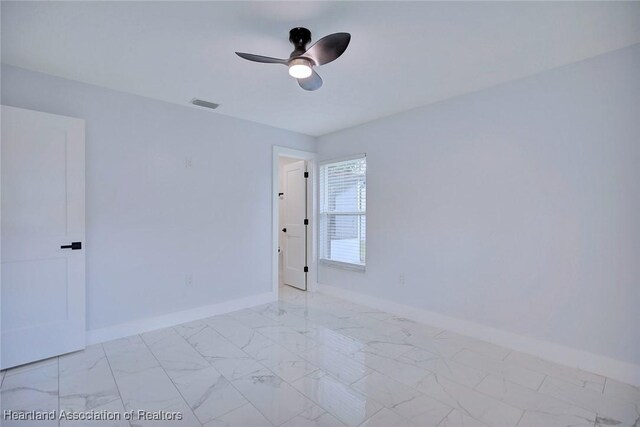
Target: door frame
(312, 198)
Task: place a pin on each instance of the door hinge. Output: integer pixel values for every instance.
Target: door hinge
(306, 222)
(306, 174)
(306, 269)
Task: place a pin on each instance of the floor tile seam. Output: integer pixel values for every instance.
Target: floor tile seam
(560, 366)
(463, 409)
(284, 381)
(231, 382)
(445, 417)
(506, 364)
(113, 377)
(327, 410)
(569, 404)
(546, 395)
(172, 383)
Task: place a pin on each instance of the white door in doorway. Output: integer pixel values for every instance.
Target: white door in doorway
(295, 229)
(43, 270)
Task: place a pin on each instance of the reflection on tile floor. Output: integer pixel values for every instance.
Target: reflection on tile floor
(314, 360)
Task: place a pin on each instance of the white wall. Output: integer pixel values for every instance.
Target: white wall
(151, 220)
(515, 207)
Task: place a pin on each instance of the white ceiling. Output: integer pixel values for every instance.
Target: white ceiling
(402, 54)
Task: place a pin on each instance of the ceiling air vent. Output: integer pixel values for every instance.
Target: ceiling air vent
(205, 104)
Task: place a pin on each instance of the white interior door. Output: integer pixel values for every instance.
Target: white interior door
(295, 229)
(43, 285)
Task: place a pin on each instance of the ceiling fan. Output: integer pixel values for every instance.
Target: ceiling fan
(302, 60)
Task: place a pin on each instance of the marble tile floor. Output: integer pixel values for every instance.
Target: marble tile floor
(313, 360)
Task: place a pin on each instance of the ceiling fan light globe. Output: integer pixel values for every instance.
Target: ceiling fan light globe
(300, 69)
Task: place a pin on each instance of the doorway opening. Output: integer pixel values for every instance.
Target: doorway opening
(293, 219)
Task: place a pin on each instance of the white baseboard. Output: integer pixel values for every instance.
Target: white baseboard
(135, 327)
(587, 361)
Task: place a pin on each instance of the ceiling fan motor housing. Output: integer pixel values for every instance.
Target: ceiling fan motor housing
(300, 37)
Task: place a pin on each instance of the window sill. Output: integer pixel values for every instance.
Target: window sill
(343, 265)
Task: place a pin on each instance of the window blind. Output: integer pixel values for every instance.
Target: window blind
(343, 211)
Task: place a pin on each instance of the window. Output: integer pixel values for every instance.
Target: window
(343, 212)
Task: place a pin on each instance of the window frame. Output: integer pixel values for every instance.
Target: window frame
(322, 216)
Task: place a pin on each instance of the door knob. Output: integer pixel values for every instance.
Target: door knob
(74, 246)
(284, 230)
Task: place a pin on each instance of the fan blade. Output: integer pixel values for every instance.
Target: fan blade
(313, 82)
(263, 59)
(328, 48)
